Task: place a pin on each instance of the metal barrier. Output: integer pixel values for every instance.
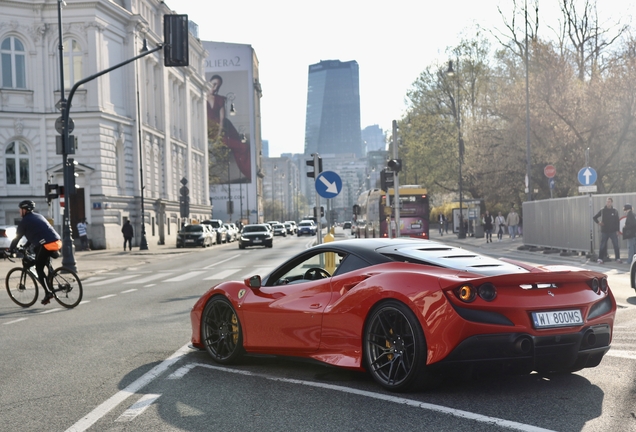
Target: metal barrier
(565, 223)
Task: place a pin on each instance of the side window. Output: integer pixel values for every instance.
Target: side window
(17, 163)
(319, 266)
(73, 63)
(13, 63)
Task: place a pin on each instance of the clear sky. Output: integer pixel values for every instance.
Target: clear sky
(392, 41)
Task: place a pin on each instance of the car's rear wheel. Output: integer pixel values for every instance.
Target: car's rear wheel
(221, 331)
(395, 347)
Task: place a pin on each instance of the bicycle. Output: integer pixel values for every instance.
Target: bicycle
(22, 283)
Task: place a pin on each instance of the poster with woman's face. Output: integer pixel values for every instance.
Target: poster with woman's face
(228, 127)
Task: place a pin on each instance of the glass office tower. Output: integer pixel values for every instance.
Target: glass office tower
(332, 124)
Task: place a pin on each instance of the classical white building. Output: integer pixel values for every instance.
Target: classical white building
(172, 130)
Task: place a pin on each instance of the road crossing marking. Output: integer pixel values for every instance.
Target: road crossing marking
(259, 271)
(223, 274)
(129, 291)
(138, 407)
(51, 310)
(15, 321)
(221, 262)
(185, 276)
(106, 296)
(110, 281)
(622, 354)
(147, 278)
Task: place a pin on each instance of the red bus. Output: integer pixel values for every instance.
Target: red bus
(373, 214)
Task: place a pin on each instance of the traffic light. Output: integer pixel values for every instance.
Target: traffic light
(356, 209)
(322, 212)
(386, 180)
(316, 161)
(72, 163)
(395, 165)
(175, 37)
(51, 191)
(184, 202)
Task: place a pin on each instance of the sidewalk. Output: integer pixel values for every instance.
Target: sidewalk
(89, 263)
(517, 246)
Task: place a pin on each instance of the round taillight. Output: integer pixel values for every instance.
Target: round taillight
(604, 285)
(487, 291)
(595, 285)
(466, 293)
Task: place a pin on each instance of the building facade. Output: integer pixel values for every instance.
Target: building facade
(332, 124)
(140, 118)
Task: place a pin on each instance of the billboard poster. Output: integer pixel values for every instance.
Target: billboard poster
(229, 71)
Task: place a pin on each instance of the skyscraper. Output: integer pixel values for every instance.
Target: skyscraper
(332, 124)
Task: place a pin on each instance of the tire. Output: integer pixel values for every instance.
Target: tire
(67, 287)
(221, 331)
(241, 246)
(395, 348)
(23, 292)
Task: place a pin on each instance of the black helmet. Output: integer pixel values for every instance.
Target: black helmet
(28, 205)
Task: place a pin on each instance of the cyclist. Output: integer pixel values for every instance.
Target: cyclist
(42, 237)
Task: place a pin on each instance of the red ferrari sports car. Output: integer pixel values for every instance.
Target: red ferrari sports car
(405, 310)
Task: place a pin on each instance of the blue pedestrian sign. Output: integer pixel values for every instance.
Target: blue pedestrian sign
(587, 176)
(552, 183)
(328, 184)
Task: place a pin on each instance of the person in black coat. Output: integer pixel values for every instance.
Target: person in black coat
(127, 231)
(609, 230)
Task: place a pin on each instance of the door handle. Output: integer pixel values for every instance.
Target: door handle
(315, 306)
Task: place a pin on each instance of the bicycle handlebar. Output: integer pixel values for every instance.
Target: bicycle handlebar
(7, 255)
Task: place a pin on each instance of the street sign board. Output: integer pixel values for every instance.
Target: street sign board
(587, 189)
(551, 181)
(328, 184)
(549, 171)
(587, 176)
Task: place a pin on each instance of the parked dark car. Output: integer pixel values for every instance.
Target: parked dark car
(256, 235)
(221, 231)
(194, 235)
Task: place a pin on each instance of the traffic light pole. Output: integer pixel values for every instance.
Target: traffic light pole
(396, 182)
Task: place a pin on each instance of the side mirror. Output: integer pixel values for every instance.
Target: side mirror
(253, 282)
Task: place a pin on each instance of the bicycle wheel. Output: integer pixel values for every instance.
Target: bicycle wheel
(22, 287)
(67, 287)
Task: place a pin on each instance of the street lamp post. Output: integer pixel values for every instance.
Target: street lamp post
(460, 141)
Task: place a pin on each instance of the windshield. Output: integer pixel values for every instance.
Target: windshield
(192, 228)
(254, 228)
(305, 224)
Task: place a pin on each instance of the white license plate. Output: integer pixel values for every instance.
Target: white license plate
(257, 241)
(189, 241)
(416, 226)
(563, 318)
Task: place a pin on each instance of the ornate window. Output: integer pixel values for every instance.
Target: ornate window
(73, 62)
(17, 162)
(13, 62)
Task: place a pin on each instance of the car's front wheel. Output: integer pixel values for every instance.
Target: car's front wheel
(395, 347)
(221, 331)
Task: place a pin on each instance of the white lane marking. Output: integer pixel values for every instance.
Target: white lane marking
(110, 281)
(394, 399)
(221, 262)
(137, 408)
(148, 278)
(95, 279)
(622, 354)
(99, 412)
(84, 302)
(15, 321)
(179, 373)
(149, 285)
(184, 276)
(223, 274)
(51, 310)
(106, 296)
(129, 291)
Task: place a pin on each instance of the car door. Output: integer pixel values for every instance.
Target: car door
(286, 316)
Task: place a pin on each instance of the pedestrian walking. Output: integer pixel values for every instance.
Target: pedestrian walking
(127, 231)
(83, 234)
(629, 231)
(512, 220)
(500, 226)
(488, 221)
(609, 231)
(442, 222)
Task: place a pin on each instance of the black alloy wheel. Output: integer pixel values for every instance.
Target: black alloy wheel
(395, 348)
(221, 331)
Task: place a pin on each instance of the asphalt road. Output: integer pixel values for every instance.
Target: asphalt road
(120, 361)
